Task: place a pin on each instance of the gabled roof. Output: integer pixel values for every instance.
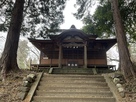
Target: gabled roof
(72, 32)
(108, 43)
(40, 44)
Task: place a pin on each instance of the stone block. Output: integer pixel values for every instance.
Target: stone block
(33, 76)
(118, 85)
(26, 83)
(122, 82)
(25, 79)
(121, 89)
(22, 95)
(24, 89)
(117, 75)
(122, 94)
(29, 79)
(116, 80)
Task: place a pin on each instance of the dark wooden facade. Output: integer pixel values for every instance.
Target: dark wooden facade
(73, 48)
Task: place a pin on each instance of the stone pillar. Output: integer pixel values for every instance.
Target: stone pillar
(60, 55)
(85, 56)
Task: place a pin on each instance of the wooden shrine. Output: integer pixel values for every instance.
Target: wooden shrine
(73, 48)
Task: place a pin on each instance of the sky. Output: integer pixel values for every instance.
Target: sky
(69, 19)
(2, 41)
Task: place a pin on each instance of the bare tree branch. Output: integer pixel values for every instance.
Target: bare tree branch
(3, 3)
(27, 5)
(35, 54)
(3, 38)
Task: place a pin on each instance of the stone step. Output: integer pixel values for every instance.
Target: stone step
(72, 99)
(73, 89)
(72, 75)
(74, 94)
(73, 85)
(46, 80)
(70, 84)
(72, 79)
(72, 70)
(80, 73)
(76, 68)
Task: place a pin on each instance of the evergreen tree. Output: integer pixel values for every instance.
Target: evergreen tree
(40, 17)
(125, 61)
(101, 22)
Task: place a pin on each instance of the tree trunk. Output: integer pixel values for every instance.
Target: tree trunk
(125, 61)
(9, 56)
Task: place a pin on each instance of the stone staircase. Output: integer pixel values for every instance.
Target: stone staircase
(72, 71)
(73, 88)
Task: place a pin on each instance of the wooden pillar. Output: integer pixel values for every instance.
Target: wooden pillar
(51, 61)
(41, 57)
(60, 55)
(85, 56)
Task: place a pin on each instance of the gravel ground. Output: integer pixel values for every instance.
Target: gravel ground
(9, 88)
(130, 89)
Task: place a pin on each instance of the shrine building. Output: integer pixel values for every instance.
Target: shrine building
(73, 48)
